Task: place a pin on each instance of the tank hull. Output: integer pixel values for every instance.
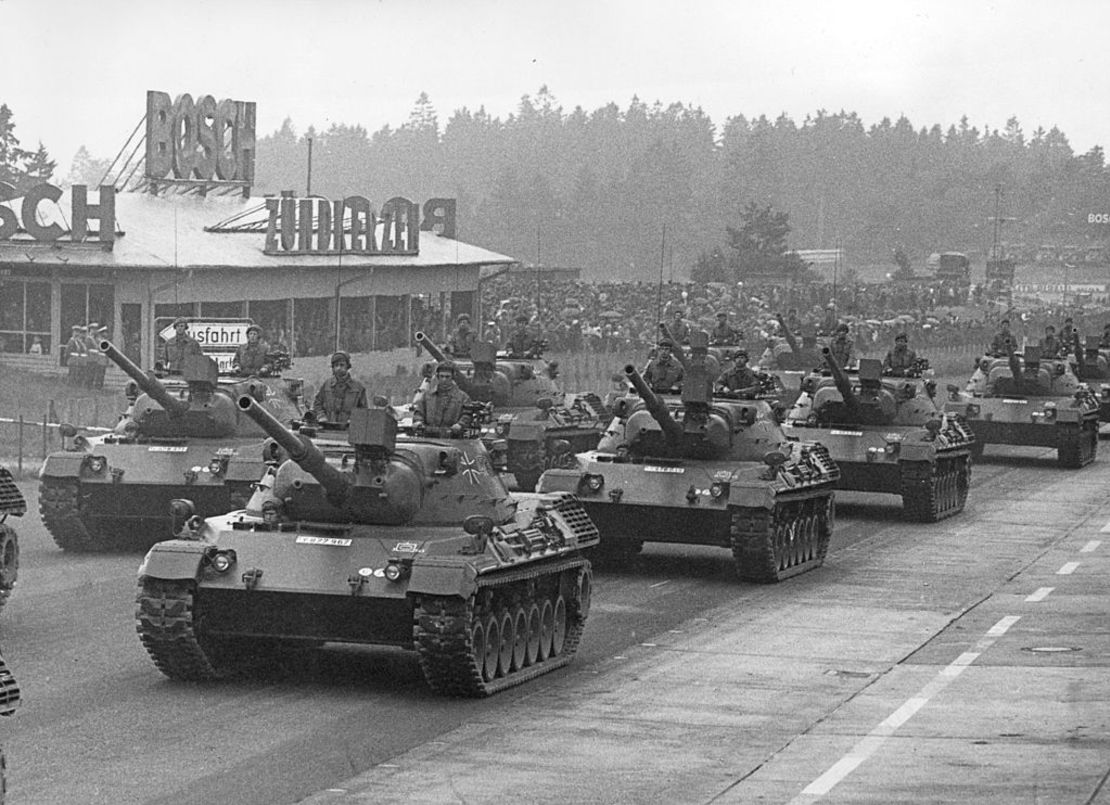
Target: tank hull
(482, 617)
(1068, 424)
(125, 504)
(777, 523)
(11, 503)
(931, 475)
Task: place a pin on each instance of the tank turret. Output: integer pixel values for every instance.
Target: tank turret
(147, 383)
(383, 482)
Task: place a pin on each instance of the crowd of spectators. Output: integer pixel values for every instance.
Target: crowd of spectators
(624, 317)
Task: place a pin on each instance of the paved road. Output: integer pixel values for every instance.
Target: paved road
(942, 663)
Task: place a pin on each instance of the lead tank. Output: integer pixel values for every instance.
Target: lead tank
(707, 471)
(13, 504)
(1036, 402)
(182, 436)
(530, 412)
(888, 435)
(408, 542)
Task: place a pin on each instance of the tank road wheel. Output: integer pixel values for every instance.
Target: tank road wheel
(9, 562)
(507, 625)
(516, 627)
(533, 654)
(559, 633)
(547, 629)
(493, 648)
(59, 505)
(520, 638)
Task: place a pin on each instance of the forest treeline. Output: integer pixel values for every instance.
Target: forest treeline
(622, 193)
(595, 189)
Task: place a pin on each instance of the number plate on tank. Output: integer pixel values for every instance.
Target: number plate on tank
(678, 470)
(845, 432)
(339, 542)
(167, 448)
(1014, 402)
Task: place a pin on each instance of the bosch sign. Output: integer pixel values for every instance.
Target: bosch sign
(1098, 218)
(27, 218)
(200, 140)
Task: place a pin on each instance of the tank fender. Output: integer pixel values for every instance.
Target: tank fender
(1070, 415)
(173, 559)
(917, 451)
(63, 465)
(760, 496)
(456, 578)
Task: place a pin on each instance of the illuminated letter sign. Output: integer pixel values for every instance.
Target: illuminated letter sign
(80, 213)
(200, 140)
(317, 226)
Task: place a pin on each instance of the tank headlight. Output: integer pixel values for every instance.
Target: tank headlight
(718, 489)
(96, 464)
(972, 410)
(222, 561)
(501, 429)
(593, 481)
(395, 571)
(216, 466)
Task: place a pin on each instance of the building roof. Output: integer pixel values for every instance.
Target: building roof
(159, 232)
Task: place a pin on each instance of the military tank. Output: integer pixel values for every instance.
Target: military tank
(530, 412)
(11, 503)
(182, 436)
(707, 471)
(888, 435)
(390, 541)
(1037, 402)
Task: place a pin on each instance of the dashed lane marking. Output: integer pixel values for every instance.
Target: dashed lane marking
(871, 742)
(1067, 569)
(1091, 546)
(1039, 595)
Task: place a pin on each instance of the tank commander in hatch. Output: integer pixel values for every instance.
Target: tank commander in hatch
(739, 378)
(663, 372)
(901, 358)
(250, 358)
(521, 341)
(1004, 341)
(441, 407)
(1050, 344)
(181, 345)
(723, 332)
(841, 347)
(463, 338)
(340, 394)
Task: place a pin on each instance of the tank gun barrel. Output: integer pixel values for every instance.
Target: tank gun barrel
(843, 384)
(430, 345)
(1015, 370)
(790, 340)
(654, 405)
(153, 389)
(299, 447)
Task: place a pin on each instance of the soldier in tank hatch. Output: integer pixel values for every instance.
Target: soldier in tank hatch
(250, 358)
(841, 347)
(663, 372)
(441, 407)
(181, 345)
(340, 394)
(901, 358)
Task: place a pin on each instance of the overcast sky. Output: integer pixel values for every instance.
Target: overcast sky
(76, 71)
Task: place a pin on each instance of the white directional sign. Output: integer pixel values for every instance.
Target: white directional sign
(213, 335)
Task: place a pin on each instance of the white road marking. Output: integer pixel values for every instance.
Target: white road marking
(660, 583)
(1039, 595)
(1105, 529)
(1067, 569)
(870, 743)
(1091, 546)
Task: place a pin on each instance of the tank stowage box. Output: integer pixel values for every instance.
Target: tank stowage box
(389, 540)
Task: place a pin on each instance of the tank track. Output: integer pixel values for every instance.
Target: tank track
(536, 629)
(9, 562)
(61, 514)
(164, 621)
(932, 491)
(792, 538)
(1077, 444)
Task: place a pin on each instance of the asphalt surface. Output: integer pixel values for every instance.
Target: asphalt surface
(964, 660)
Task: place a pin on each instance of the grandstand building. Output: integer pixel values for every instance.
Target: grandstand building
(179, 234)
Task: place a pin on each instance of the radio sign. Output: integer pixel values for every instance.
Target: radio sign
(199, 140)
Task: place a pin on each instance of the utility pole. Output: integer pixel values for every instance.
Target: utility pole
(308, 184)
